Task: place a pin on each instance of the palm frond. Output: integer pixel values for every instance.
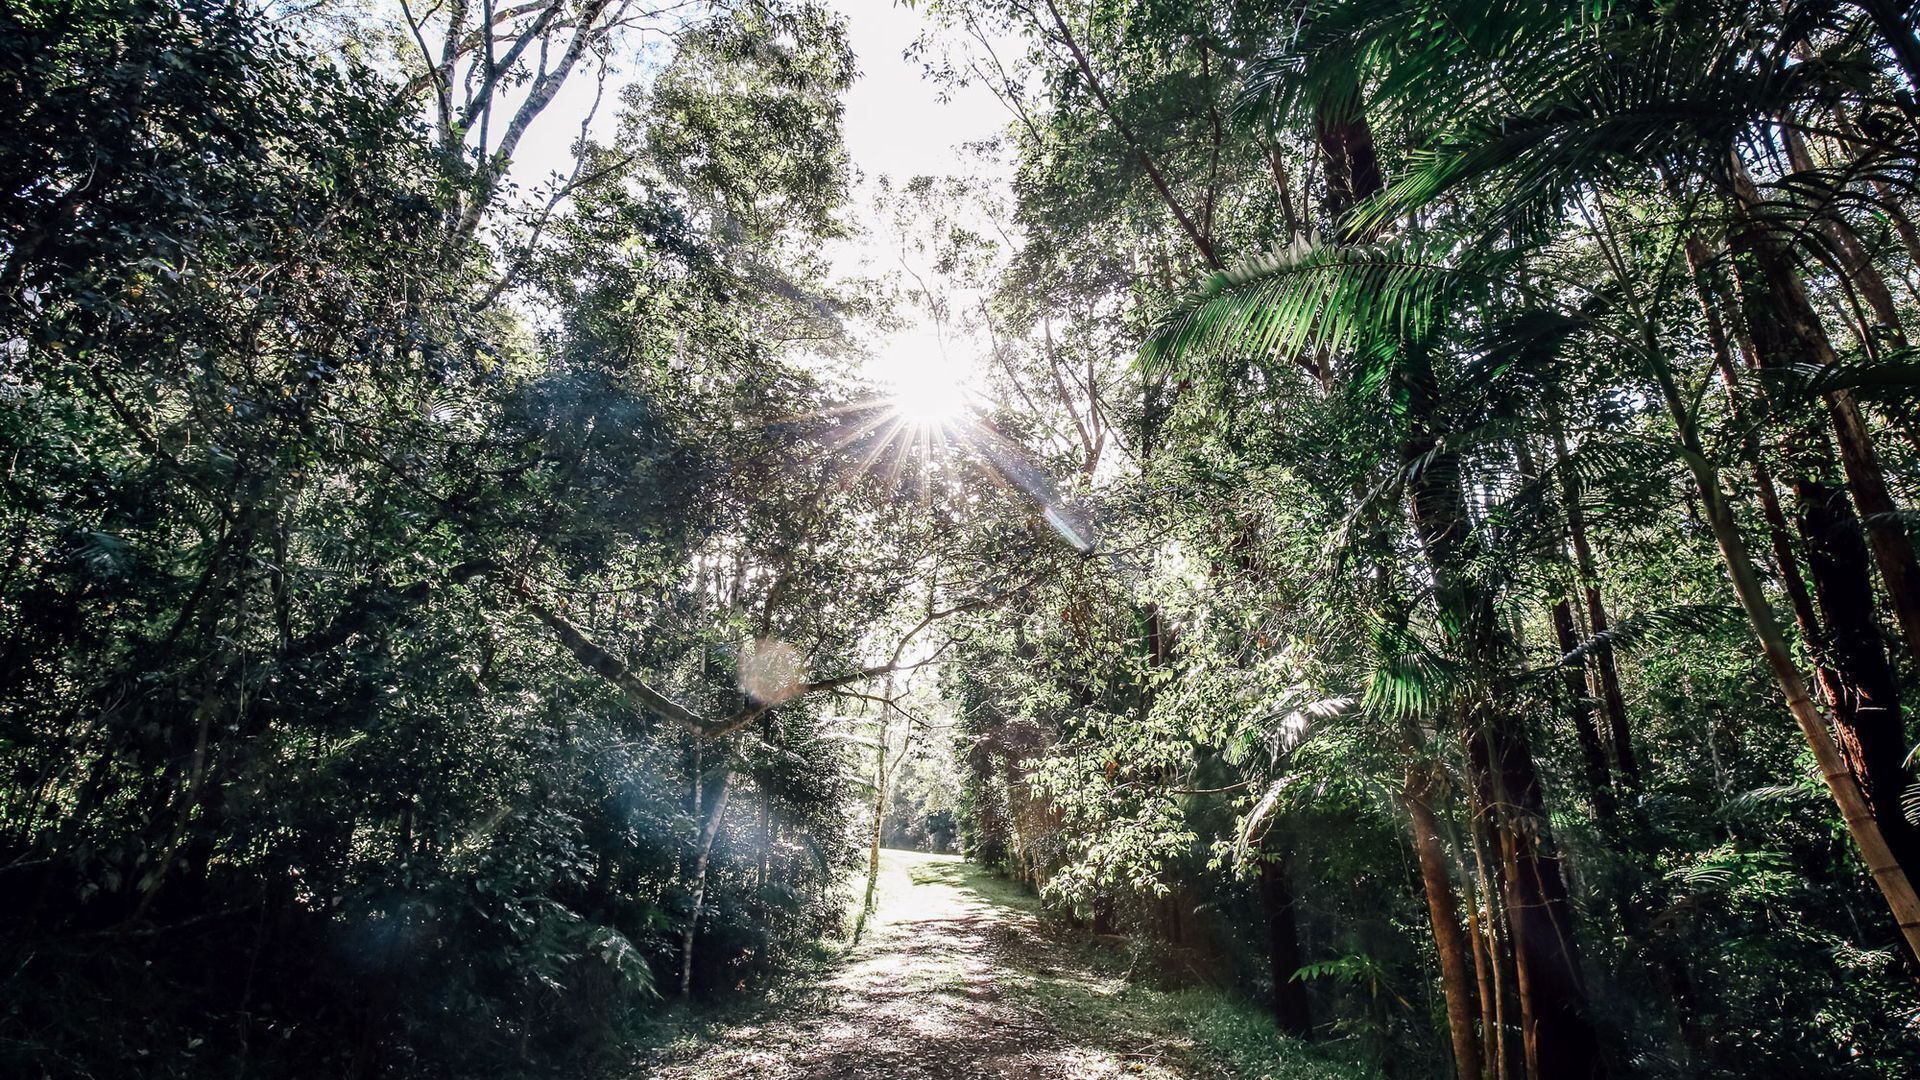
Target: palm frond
(1309, 297)
(1722, 869)
(1410, 679)
(1604, 473)
(1643, 626)
(1615, 106)
(1895, 374)
(1256, 820)
(1769, 795)
(1428, 59)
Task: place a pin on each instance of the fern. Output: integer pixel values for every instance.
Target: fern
(623, 958)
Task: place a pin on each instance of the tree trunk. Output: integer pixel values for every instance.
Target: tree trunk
(870, 895)
(1787, 331)
(1558, 1040)
(1871, 732)
(1353, 168)
(1493, 996)
(1778, 536)
(709, 829)
(1487, 982)
(1457, 978)
(1290, 1011)
(1606, 669)
(1593, 754)
(1887, 872)
(1555, 1035)
(1892, 551)
(1867, 720)
(882, 783)
(1854, 259)
(766, 835)
(1558, 1035)
(1894, 883)
(211, 702)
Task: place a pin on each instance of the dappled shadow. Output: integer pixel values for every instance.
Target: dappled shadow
(951, 983)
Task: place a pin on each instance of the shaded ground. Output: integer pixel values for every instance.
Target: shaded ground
(960, 978)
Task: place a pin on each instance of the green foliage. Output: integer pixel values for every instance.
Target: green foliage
(436, 627)
(1356, 469)
(293, 781)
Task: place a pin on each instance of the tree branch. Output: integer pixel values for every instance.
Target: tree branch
(612, 668)
(1160, 184)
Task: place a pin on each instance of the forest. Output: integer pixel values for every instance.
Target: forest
(1381, 532)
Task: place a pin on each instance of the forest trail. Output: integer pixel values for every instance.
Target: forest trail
(959, 978)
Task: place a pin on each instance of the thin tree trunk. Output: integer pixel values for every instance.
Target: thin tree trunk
(1606, 669)
(1457, 978)
(1593, 754)
(1290, 1010)
(1557, 1039)
(1481, 764)
(766, 835)
(709, 829)
(403, 841)
(1778, 536)
(869, 898)
(1487, 875)
(1481, 937)
(1854, 258)
(882, 784)
(210, 703)
(1201, 241)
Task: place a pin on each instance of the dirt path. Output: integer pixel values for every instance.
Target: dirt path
(959, 979)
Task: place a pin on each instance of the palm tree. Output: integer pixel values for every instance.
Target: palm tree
(1571, 137)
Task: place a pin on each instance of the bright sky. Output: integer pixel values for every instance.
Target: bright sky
(896, 122)
(896, 125)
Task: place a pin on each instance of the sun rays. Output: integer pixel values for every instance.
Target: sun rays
(924, 431)
(915, 440)
(910, 427)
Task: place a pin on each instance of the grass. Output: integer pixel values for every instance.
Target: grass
(1201, 1023)
(976, 959)
(1228, 1032)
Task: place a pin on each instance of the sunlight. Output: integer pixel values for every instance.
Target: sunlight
(921, 406)
(927, 394)
(929, 411)
(928, 402)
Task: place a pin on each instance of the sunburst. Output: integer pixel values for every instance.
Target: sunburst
(927, 394)
(922, 412)
(926, 427)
